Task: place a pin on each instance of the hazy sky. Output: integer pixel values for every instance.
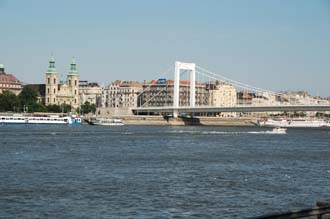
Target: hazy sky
(277, 45)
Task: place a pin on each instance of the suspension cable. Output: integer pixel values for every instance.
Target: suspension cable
(239, 84)
(151, 98)
(162, 75)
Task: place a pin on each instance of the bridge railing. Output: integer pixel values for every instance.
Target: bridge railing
(234, 106)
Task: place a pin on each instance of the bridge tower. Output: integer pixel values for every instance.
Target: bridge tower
(191, 67)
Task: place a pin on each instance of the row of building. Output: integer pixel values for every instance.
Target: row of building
(121, 96)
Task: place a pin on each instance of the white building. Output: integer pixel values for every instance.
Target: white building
(121, 94)
(264, 99)
(223, 94)
(89, 92)
(300, 97)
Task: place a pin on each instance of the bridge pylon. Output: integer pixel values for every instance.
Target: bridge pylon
(191, 67)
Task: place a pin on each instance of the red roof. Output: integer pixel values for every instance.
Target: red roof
(8, 78)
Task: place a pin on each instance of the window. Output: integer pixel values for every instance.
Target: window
(47, 100)
(48, 80)
(69, 82)
(75, 82)
(54, 80)
(47, 90)
(75, 92)
(54, 91)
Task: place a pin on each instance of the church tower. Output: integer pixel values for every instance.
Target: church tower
(73, 83)
(51, 83)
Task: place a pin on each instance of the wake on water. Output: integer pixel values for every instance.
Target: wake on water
(226, 133)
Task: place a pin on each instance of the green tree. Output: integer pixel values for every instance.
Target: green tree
(88, 108)
(93, 108)
(53, 108)
(28, 99)
(65, 108)
(9, 102)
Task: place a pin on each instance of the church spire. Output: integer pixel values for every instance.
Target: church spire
(73, 68)
(2, 69)
(51, 67)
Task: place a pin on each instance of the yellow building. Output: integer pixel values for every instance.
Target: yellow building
(62, 92)
(223, 95)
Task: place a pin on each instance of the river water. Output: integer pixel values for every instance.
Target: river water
(159, 172)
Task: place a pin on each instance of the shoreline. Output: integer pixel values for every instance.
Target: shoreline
(196, 121)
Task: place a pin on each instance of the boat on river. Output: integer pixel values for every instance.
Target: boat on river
(277, 130)
(106, 121)
(19, 119)
(294, 123)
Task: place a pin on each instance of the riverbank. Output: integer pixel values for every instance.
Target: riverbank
(202, 121)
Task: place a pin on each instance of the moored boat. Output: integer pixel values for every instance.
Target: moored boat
(293, 123)
(17, 119)
(106, 121)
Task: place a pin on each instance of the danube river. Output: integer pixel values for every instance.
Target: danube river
(159, 172)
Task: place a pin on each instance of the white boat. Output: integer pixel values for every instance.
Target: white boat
(328, 123)
(17, 119)
(296, 123)
(277, 130)
(106, 121)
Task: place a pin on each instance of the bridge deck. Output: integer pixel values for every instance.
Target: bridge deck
(212, 109)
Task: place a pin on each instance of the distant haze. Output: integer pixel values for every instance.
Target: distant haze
(277, 45)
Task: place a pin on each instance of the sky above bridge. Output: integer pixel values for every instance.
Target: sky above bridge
(277, 45)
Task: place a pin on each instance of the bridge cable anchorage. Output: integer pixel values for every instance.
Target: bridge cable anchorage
(151, 98)
(159, 77)
(240, 84)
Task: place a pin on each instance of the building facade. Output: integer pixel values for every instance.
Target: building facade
(9, 82)
(89, 92)
(66, 92)
(121, 94)
(299, 98)
(160, 93)
(222, 94)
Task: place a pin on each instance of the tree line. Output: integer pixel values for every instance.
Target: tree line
(27, 101)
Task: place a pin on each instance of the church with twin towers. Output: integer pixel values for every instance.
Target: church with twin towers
(62, 92)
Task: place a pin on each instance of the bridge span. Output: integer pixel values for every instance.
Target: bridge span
(176, 94)
(239, 108)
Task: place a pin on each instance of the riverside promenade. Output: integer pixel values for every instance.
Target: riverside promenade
(203, 121)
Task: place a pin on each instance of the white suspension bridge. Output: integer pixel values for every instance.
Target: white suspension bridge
(206, 76)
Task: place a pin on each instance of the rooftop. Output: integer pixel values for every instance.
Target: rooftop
(8, 78)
